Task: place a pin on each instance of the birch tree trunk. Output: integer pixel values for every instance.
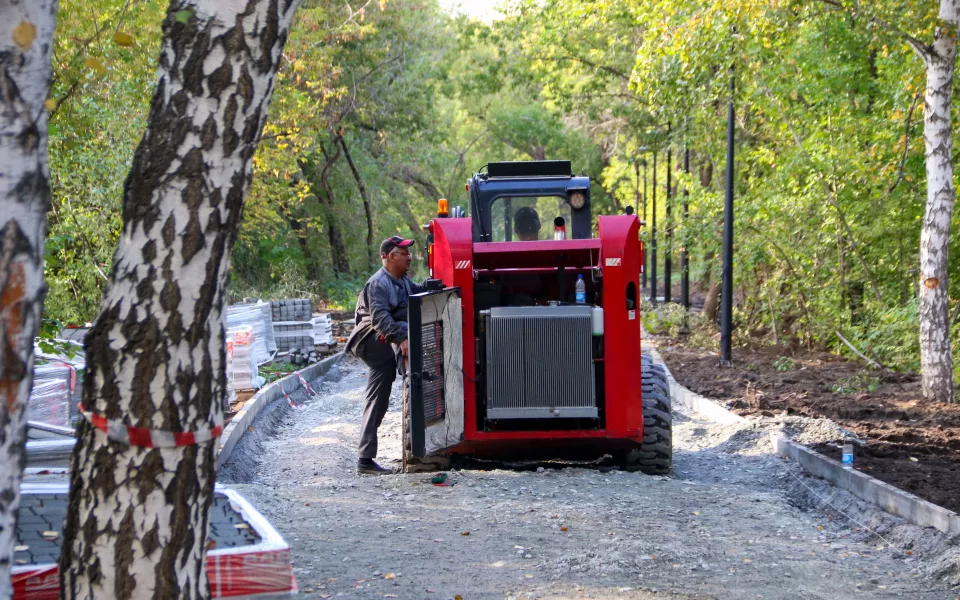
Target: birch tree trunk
(936, 359)
(137, 522)
(26, 43)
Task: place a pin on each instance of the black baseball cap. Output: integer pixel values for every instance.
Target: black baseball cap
(387, 245)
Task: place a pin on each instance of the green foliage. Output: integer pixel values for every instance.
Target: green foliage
(276, 370)
(855, 384)
(784, 363)
(49, 344)
(830, 155)
(665, 319)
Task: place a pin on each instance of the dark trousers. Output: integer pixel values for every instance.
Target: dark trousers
(382, 371)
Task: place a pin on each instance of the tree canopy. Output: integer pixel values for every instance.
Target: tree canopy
(384, 107)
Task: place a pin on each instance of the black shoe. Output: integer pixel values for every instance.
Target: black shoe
(368, 467)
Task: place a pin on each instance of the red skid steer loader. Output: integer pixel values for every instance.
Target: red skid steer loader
(527, 345)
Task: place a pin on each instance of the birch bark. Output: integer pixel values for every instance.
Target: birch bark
(936, 358)
(26, 43)
(138, 517)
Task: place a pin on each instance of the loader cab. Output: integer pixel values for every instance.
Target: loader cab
(505, 198)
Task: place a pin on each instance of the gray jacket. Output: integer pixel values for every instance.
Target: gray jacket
(382, 309)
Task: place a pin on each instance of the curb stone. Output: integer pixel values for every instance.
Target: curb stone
(695, 402)
(891, 499)
(263, 398)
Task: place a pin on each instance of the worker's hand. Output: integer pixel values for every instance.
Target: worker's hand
(405, 347)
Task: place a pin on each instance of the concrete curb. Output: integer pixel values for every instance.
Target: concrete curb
(263, 398)
(891, 499)
(695, 402)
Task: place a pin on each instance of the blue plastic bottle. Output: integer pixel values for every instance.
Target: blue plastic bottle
(581, 290)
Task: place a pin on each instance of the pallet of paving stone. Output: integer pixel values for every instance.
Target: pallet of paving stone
(300, 309)
(249, 559)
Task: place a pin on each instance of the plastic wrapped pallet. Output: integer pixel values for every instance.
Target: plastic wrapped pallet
(240, 316)
(68, 359)
(323, 329)
(52, 394)
(267, 326)
(242, 370)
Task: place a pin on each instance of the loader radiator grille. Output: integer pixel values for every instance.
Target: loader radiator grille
(540, 363)
(434, 403)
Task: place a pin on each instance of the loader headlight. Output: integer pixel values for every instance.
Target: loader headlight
(577, 200)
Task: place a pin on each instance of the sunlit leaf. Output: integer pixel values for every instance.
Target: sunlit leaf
(123, 39)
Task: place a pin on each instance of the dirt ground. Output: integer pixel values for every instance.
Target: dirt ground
(908, 443)
(732, 521)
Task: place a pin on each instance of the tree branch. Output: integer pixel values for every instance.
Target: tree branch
(608, 69)
(906, 144)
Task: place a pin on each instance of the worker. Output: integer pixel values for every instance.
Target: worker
(526, 224)
(380, 336)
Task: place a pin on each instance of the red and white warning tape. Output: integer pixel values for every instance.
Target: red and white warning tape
(143, 437)
(305, 384)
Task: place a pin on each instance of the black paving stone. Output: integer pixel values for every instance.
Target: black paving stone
(46, 512)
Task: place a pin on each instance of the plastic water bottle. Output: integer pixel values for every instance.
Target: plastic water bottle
(847, 459)
(581, 290)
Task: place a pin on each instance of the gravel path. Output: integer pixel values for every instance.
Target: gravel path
(732, 522)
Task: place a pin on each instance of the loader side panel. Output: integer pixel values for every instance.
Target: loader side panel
(436, 371)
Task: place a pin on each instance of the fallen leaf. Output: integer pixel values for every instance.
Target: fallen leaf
(458, 597)
(390, 576)
(94, 63)
(250, 428)
(123, 39)
(909, 553)
(819, 527)
(696, 513)
(183, 16)
(24, 34)
(747, 560)
(563, 528)
(465, 533)
(211, 544)
(50, 104)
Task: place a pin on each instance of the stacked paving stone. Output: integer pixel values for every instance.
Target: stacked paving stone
(292, 324)
(291, 310)
(40, 521)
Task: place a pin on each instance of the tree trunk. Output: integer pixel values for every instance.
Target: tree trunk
(936, 359)
(26, 43)
(409, 217)
(711, 304)
(138, 516)
(341, 262)
(374, 256)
